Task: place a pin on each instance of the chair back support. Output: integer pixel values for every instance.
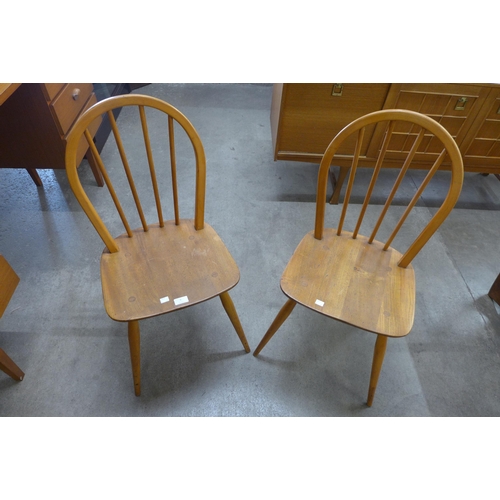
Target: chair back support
(106, 107)
(421, 128)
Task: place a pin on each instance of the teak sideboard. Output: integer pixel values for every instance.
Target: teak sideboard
(306, 117)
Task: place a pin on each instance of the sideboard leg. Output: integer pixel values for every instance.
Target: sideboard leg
(94, 167)
(494, 292)
(337, 184)
(34, 175)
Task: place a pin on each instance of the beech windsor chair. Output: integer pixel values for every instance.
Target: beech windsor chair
(357, 279)
(161, 267)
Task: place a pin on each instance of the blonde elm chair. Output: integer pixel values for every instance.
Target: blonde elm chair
(355, 278)
(166, 265)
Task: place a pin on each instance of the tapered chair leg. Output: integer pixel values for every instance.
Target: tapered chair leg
(378, 359)
(227, 302)
(134, 340)
(278, 321)
(9, 367)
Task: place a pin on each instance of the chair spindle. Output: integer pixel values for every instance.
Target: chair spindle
(126, 166)
(399, 179)
(374, 178)
(173, 167)
(352, 175)
(151, 163)
(107, 180)
(415, 198)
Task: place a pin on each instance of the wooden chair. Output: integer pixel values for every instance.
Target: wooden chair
(357, 279)
(8, 284)
(164, 266)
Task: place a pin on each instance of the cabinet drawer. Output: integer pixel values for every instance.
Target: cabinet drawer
(50, 90)
(68, 104)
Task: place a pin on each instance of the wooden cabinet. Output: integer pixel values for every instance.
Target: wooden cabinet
(35, 121)
(306, 117)
(481, 146)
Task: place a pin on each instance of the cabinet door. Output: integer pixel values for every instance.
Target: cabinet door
(481, 147)
(306, 117)
(455, 106)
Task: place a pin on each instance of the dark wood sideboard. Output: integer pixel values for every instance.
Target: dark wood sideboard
(36, 118)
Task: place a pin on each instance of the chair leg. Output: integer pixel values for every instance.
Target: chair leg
(134, 340)
(378, 359)
(278, 321)
(227, 302)
(9, 367)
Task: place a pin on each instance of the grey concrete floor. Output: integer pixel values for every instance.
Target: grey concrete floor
(76, 359)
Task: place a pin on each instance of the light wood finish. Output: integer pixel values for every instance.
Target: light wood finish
(432, 127)
(9, 367)
(378, 360)
(358, 283)
(83, 147)
(354, 278)
(228, 305)
(173, 261)
(437, 101)
(8, 284)
(481, 146)
(68, 104)
(162, 266)
(6, 90)
(173, 168)
(34, 124)
(50, 90)
(285, 311)
(304, 117)
(134, 342)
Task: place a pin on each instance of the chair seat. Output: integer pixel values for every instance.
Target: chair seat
(352, 281)
(177, 262)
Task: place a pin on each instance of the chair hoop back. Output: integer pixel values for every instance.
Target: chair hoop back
(391, 116)
(106, 107)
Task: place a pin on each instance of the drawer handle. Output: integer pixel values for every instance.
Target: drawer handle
(337, 89)
(460, 106)
(75, 94)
